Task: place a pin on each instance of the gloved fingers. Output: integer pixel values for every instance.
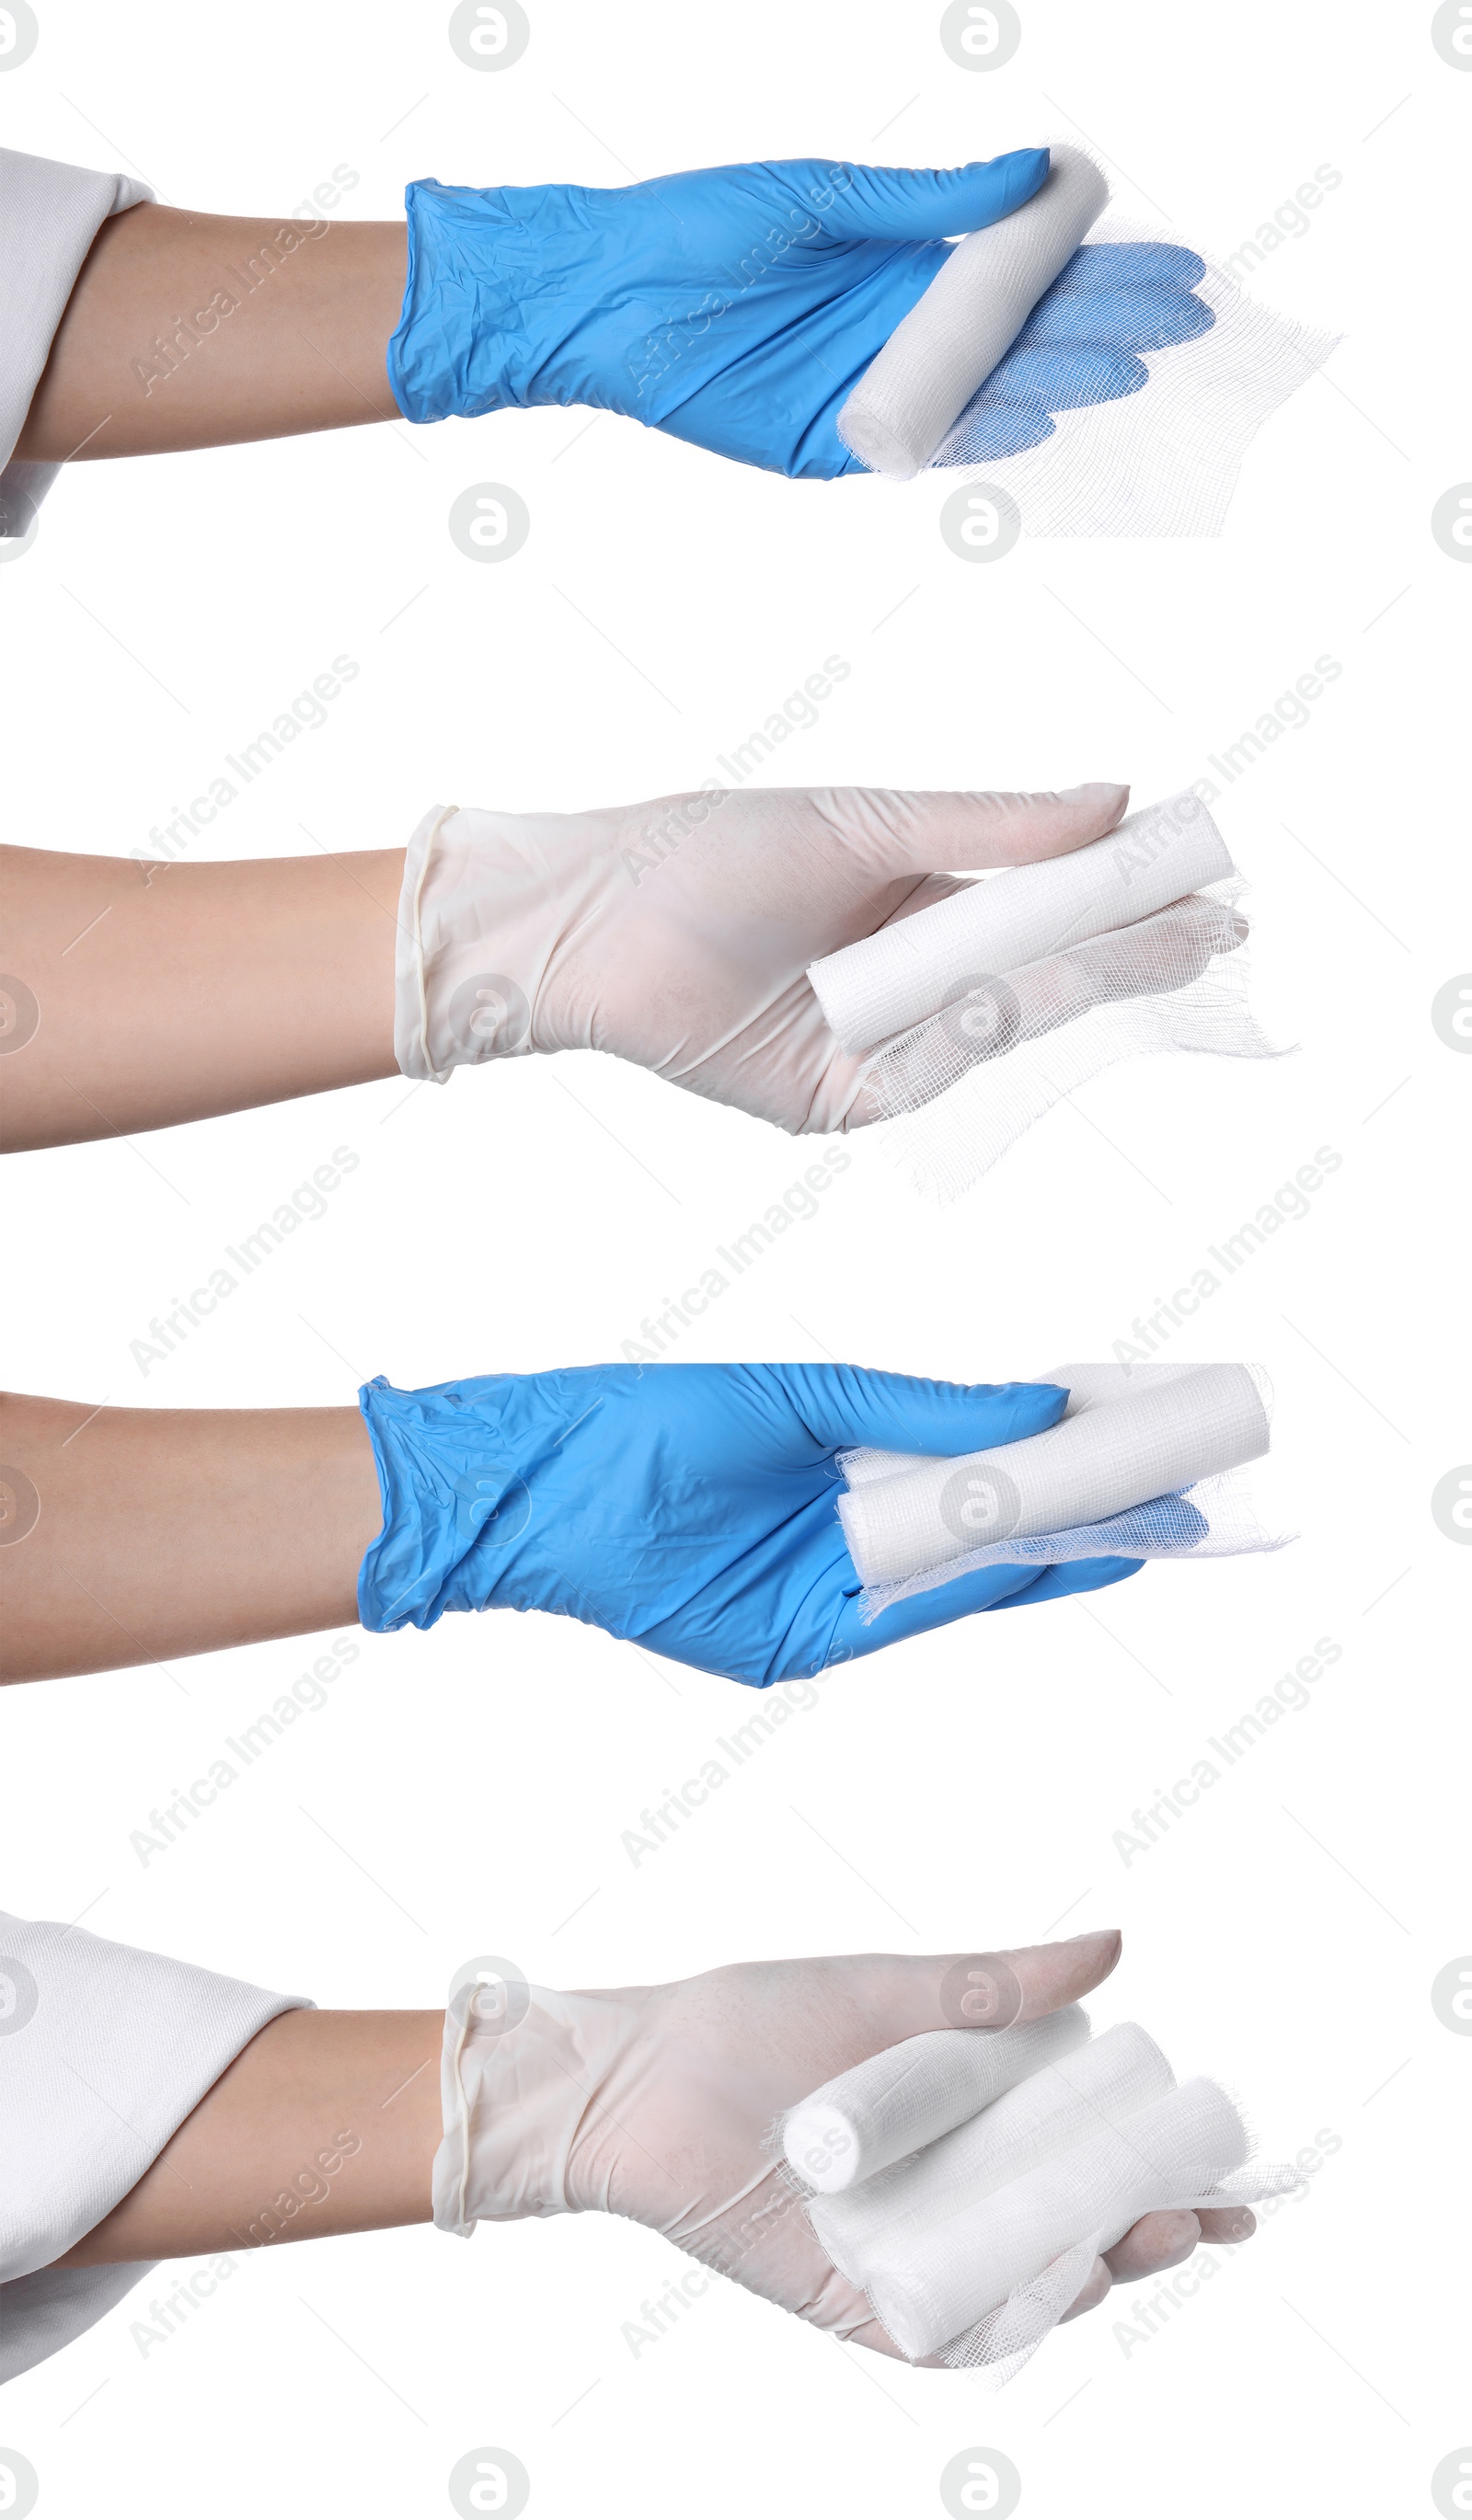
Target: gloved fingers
(997, 426)
(918, 204)
(989, 1588)
(1099, 2285)
(843, 1407)
(1152, 2245)
(1080, 1575)
(986, 1588)
(1180, 1521)
(890, 833)
(1065, 380)
(1162, 952)
(896, 1997)
(1116, 319)
(1227, 2226)
(1101, 267)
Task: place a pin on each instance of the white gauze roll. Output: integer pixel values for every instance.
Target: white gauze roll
(916, 390)
(1057, 2107)
(1152, 1441)
(911, 2093)
(1088, 1386)
(930, 2288)
(912, 969)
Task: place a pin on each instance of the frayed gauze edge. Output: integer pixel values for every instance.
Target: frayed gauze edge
(967, 1122)
(1225, 1505)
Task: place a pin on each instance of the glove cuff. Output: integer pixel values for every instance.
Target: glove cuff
(457, 327)
(476, 927)
(520, 2072)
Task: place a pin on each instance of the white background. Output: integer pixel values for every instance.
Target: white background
(963, 1790)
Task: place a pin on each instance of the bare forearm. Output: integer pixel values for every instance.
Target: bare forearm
(168, 993)
(187, 330)
(328, 2122)
(144, 1534)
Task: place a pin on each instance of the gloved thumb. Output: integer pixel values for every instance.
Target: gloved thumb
(844, 1406)
(918, 204)
(985, 1989)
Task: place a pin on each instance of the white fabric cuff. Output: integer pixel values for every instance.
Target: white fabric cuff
(104, 2051)
(48, 215)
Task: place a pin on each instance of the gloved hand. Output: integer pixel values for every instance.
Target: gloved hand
(689, 1508)
(733, 307)
(677, 935)
(656, 2103)
(1077, 345)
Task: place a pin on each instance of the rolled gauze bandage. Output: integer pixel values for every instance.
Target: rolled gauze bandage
(1157, 1438)
(913, 968)
(970, 316)
(1088, 1386)
(909, 2095)
(932, 2286)
(1105, 2079)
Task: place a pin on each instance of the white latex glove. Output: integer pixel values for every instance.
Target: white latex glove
(677, 935)
(657, 2104)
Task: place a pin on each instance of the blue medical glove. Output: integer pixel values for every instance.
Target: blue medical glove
(734, 306)
(1077, 345)
(691, 1509)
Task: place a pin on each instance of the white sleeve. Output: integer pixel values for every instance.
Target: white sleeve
(104, 2051)
(48, 215)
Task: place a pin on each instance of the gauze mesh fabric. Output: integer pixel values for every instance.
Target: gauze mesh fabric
(965, 1082)
(935, 361)
(974, 2247)
(1165, 460)
(1143, 1464)
(907, 2095)
(888, 983)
